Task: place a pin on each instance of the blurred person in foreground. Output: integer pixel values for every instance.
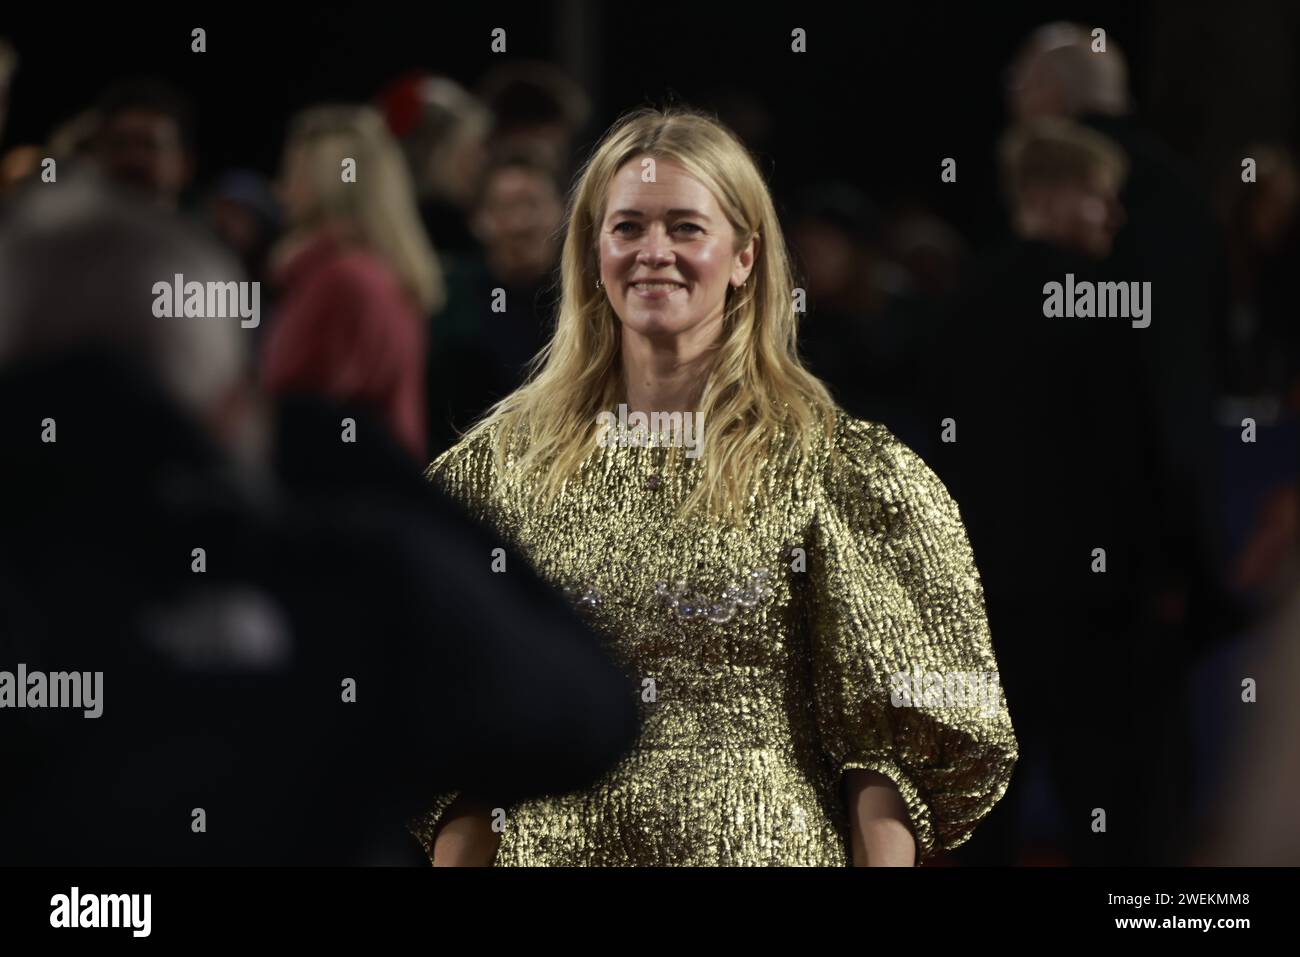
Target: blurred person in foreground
(225, 734)
(356, 276)
(500, 303)
(768, 570)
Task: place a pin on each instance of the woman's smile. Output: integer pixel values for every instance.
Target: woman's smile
(655, 289)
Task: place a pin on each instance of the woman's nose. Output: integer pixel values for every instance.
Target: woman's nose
(655, 248)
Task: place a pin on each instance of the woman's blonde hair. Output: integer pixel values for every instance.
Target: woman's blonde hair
(756, 388)
(379, 208)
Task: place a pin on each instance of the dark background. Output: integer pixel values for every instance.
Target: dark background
(881, 95)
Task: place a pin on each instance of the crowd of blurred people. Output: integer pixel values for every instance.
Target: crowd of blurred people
(418, 291)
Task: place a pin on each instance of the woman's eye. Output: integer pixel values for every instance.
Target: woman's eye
(692, 228)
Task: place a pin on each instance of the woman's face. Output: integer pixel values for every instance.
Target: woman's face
(293, 190)
(670, 231)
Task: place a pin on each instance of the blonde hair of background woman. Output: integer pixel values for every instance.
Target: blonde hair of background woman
(379, 209)
(757, 386)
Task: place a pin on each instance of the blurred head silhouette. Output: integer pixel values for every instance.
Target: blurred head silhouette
(519, 216)
(837, 230)
(145, 140)
(1058, 73)
(537, 105)
(443, 129)
(1063, 183)
(1261, 214)
(77, 270)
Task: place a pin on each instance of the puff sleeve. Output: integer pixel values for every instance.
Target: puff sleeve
(904, 677)
(424, 827)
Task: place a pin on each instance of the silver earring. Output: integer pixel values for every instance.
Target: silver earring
(597, 283)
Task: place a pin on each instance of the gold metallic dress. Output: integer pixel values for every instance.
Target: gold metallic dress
(767, 656)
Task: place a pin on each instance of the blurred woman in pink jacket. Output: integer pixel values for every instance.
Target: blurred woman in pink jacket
(357, 276)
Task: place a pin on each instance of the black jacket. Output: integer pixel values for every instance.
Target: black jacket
(223, 690)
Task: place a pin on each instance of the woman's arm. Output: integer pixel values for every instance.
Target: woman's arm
(881, 835)
(465, 837)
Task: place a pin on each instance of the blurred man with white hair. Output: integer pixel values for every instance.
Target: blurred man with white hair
(1058, 74)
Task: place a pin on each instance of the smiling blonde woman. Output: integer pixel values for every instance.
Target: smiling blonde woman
(768, 593)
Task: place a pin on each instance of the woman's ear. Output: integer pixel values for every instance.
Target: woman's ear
(744, 264)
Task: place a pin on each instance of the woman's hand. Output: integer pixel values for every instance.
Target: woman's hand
(880, 831)
(465, 838)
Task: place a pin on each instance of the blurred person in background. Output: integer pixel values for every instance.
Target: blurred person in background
(70, 144)
(1064, 183)
(933, 253)
(867, 335)
(222, 685)
(443, 129)
(1264, 252)
(481, 344)
(357, 277)
(536, 107)
(241, 210)
(1254, 821)
(8, 66)
(145, 140)
(1171, 240)
(75, 139)
(1052, 458)
(18, 162)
